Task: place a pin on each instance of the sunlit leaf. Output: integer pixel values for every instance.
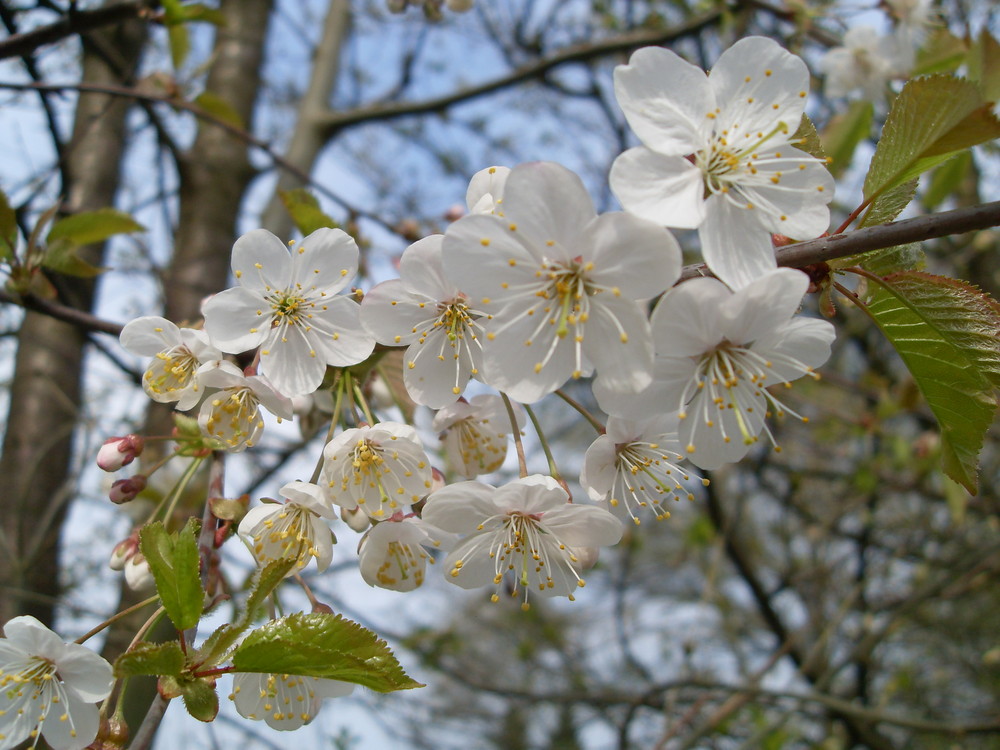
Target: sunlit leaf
(92, 227)
(984, 65)
(151, 659)
(305, 211)
(8, 229)
(174, 562)
(807, 139)
(219, 108)
(945, 332)
(322, 645)
(942, 52)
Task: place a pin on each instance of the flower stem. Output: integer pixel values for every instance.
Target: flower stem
(553, 469)
(115, 618)
(518, 445)
(594, 421)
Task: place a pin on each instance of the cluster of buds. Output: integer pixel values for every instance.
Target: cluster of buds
(431, 8)
(127, 558)
(116, 453)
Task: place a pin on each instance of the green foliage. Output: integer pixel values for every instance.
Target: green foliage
(8, 229)
(175, 16)
(304, 209)
(844, 132)
(69, 234)
(946, 179)
(945, 332)
(943, 52)
(930, 120)
(174, 562)
(321, 645)
(219, 108)
(151, 659)
(984, 65)
(218, 644)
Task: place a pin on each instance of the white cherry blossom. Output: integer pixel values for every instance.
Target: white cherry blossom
(394, 553)
(475, 433)
(48, 687)
(283, 701)
(232, 414)
(178, 353)
(864, 63)
(526, 528)
(717, 155)
(561, 283)
(427, 312)
(287, 304)
(718, 352)
(381, 468)
(635, 466)
(293, 530)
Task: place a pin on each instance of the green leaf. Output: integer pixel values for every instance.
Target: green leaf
(304, 209)
(174, 561)
(984, 65)
(943, 52)
(946, 179)
(945, 332)
(219, 108)
(63, 256)
(887, 260)
(93, 226)
(322, 645)
(8, 229)
(151, 659)
(844, 132)
(201, 12)
(218, 644)
(180, 44)
(890, 204)
(931, 119)
(807, 139)
(200, 699)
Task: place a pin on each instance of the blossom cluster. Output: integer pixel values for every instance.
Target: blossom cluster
(530, 289)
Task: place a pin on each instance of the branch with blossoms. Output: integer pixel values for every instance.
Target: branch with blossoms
(530, 290)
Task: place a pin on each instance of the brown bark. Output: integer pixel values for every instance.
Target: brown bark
(45, 394)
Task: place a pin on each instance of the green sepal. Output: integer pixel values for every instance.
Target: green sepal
(8, 229)
(174, 562)
(844, 132)
(155, 659)
(322, 645)
(219, 108)
(931, 119)
(945, 332)
(305, 211)
(200, 698)
(220, 642)
(807, 139)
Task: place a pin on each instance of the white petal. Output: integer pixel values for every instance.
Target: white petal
(291, 364)
(236, 320)
(337, 334)
(547, 202)
(309, 496)
(390, 310)
(763, 305)
(665, 100)
(422, 272)
(436, 372)
(31, 636)
(78, 729)
(735, 244)
(85, 673)
(583, 526)
(459, 508)
(686, 322)
(750, 78)
(326, 260)
(261, 262)
(799, 199)
(599, 467)
(619, 343)
(668, 190)
(477, 253)
(807, 340)
(639, 258)
(486, 183)
(149, 335)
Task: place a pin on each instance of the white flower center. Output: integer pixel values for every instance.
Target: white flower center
(234, 416)
(287, 534)
(171, 370)
(647, 474)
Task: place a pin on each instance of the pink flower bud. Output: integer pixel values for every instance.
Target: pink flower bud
(119, 451)
(124, 490)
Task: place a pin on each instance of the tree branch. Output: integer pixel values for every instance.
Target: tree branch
(74, 22)
(335, 121)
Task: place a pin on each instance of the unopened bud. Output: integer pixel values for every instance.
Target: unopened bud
(396, 6)
(125, 490)
(357, 519)
(438, 481)
(454, 212)
(138, 576)
(119, 451)
(112, 735)
(458, 6)
(123, 552)
(323, 609)
(229, 509)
